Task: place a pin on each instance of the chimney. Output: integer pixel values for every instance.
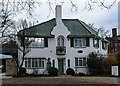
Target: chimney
(114, 32)
(58, 10)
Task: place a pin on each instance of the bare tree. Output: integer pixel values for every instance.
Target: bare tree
(24, 41)
(9, 9)
(105, 33)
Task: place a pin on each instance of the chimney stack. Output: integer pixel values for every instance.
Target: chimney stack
(58, 13)
(114, 32)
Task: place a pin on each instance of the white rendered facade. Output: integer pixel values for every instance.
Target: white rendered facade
(71, 52)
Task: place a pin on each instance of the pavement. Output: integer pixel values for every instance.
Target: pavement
(61, 80)
(3, 76)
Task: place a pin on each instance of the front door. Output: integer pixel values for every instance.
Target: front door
(61, 66)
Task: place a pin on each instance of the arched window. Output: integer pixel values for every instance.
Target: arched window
(53, 63)
(60, 41)
(68, 62)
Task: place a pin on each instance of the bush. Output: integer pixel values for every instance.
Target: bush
(95, 63)
(22, 71)
(70, 71)
(81, 74)
(53, 71)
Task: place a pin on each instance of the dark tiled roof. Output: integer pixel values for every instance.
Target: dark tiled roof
(76, 27)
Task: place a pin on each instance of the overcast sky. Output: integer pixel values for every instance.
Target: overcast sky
(100, 17)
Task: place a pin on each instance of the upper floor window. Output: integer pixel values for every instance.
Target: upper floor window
(104, 45)
(79, 42)
(38, 42)
(60, 41)
(96, 43)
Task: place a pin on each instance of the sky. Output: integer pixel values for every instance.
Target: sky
(99, 16)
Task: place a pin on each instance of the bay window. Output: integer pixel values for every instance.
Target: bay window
(34, 63)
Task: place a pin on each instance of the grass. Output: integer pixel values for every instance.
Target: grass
(33, 76)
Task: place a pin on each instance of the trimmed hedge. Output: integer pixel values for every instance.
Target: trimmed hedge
(53, 71)
(70, 71)
(22, 70)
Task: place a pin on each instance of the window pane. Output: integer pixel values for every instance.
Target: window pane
(42, 64)
(39, 62)
(29, 62)
(80, 62)
(62, 41)
(25, 63)
(84, 61)
(84, 42)
(53, 63)
(68, 62)
(33, 63)
(80, 42)
(76, 43)
(76, 61)
(58, 41)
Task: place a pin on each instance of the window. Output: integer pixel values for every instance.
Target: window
(79, 42)
(115, 44)
(104, 45)
(37, 42)
(68, 62)
(119, 44)
(60, 41)
(79, 62)
(34, 63)
(53, 63)
(96, 43)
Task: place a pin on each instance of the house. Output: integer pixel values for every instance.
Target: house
(66, 42)
(114, 42)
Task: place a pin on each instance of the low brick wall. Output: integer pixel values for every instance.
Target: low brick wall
(11, 67)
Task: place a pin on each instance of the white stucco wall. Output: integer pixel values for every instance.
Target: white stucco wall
(50, 52)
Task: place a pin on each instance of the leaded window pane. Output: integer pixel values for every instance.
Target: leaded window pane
(76, 61)
(29, 62)
(84, 61)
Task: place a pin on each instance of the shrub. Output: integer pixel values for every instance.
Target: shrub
(53, 71)
(95, 63)
(22, 71)
(70, 71)
(81, 74)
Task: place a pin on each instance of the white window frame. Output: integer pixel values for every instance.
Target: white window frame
(80, 58)
(36, 42)
(80, 44)
(37, 59)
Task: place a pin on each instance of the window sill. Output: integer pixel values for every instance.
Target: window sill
(37, 47)
(79, 47)
(81, 67)
(34, 68)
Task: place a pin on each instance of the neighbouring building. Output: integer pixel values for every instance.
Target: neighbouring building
(114, 42)
(67, 42)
